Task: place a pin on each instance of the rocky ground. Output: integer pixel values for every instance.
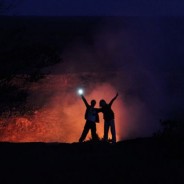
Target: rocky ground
(146, 160)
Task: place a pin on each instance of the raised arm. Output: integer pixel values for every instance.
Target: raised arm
(111, 102)
(85, 101)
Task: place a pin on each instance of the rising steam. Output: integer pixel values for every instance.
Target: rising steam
(122, 60)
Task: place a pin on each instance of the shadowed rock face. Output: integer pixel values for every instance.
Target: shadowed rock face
(141, 160)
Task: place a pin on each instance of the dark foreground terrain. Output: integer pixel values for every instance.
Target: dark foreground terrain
(147, 160)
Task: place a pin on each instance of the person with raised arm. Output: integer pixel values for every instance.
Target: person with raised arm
(109, 118)
(91, 116)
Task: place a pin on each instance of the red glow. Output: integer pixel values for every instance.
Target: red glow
(61, 119)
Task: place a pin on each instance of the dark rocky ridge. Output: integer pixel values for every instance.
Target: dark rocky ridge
(144, 160)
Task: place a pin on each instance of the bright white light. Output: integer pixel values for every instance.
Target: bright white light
(80, 91)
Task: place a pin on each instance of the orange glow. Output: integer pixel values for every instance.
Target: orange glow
(61, 119)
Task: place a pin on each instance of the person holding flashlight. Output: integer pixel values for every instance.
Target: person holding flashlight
(91, 116)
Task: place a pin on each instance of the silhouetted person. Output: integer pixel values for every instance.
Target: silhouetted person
(108, 116)
(91, 116)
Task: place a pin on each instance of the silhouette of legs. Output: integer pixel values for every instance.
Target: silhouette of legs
(113, 131)
(111, 125)
(89, 125)
(85, 132)
(106, 130)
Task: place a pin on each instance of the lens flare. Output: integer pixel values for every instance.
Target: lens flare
(80, 91)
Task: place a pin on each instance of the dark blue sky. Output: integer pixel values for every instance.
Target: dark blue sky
(99, 7)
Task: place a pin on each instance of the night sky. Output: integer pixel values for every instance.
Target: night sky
(98, 8)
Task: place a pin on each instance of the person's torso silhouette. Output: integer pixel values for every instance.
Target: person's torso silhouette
(91, 116)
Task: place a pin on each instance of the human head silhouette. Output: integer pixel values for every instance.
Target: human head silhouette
(93, 103)
(102, 103)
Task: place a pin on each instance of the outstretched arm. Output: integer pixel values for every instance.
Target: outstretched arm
(98, 110)
(85, 101)
(111, 102)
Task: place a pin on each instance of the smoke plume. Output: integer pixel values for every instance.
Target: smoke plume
(129, 56)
